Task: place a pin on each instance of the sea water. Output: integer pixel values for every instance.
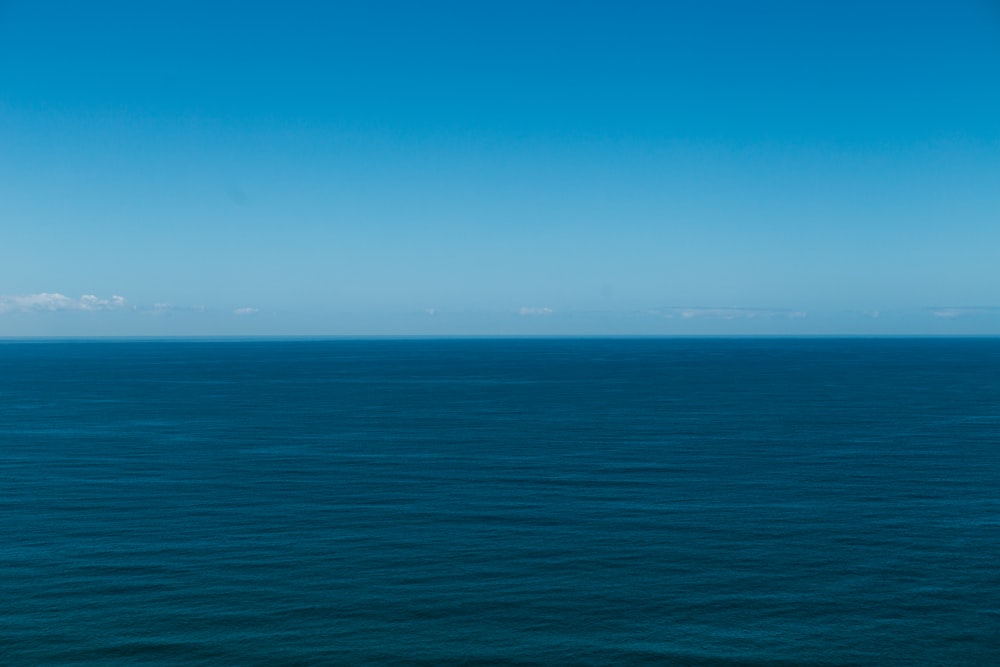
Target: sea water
(505, 502)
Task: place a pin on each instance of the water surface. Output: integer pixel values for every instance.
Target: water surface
(425, 502)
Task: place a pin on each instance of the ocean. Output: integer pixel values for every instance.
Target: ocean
(745, 501)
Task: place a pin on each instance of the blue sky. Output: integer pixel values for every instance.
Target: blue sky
(450, 168)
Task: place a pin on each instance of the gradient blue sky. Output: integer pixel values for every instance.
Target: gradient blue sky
(231, 168)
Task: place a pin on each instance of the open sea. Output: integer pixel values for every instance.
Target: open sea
(500, 502)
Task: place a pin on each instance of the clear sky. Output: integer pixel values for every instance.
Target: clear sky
(325, 168)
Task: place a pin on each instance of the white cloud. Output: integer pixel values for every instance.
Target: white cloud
(951, 312)
(245, 311)
(91, 302)
(725, 313)
(53, 302)
(527, 312)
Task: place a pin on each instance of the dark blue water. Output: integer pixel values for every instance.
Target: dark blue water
(579, 502)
